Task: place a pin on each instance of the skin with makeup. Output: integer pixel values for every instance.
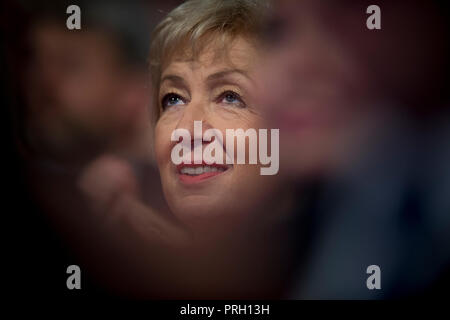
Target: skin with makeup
(217, 90)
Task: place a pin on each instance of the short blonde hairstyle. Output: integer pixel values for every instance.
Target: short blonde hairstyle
(189, 27)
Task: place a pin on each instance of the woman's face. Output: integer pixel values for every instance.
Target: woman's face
(216, 89)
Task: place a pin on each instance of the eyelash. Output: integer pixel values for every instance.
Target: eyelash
(169, 95)
(236, 95)
(218, 99)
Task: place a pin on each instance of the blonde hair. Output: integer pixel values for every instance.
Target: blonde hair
(193, 23)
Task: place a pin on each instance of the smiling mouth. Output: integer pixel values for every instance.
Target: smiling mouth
(195, 173)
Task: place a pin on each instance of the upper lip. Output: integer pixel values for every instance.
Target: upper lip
(195, 165)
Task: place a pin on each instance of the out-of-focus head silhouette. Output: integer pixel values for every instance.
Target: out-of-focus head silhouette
(86, 90)
(327, 75)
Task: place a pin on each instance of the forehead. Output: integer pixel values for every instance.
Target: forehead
(237, 53)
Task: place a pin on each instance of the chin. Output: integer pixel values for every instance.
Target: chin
(206, 213)
(218, 203)
(193, 208)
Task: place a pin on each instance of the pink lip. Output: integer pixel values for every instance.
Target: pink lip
(188, 179)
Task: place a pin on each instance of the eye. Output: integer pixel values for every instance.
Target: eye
(171, 99)
(231, 98)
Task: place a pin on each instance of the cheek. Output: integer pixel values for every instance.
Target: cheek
(237, 119)
(243, 120)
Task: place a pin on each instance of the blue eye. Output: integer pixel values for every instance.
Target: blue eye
(230, 97)
(171, 99)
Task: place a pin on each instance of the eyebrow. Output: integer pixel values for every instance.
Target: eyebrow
(173, 78)
(224, 73)
(211, 78)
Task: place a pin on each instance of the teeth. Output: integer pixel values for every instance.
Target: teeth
(200, 170)
(190, 170)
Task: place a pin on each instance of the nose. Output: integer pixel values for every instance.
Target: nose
(193, 112)
(195, 119)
